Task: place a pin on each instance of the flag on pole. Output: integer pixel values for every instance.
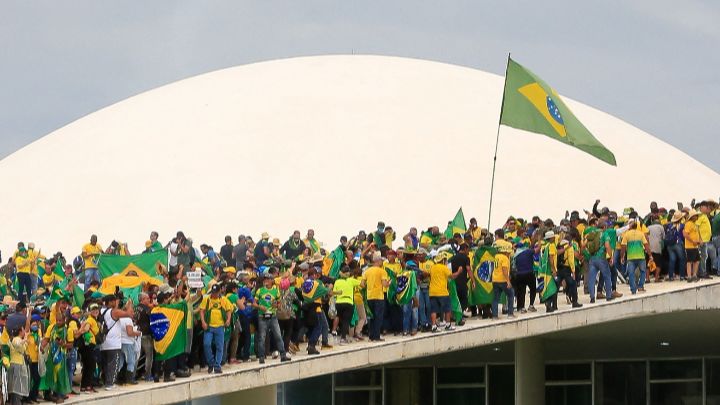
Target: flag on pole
(531, 105)
(457, 225)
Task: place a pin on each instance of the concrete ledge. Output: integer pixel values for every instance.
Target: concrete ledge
(667, 298)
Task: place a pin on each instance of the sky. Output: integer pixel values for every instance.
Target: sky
(652, 63)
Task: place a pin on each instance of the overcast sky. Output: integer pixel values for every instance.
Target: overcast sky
(653, 63)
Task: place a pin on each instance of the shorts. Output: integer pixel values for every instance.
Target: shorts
(693, 255)
(440, 305)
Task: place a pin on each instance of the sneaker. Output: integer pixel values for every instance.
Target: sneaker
(461, 323)
(275, 354)
(327, 346)
(262, 360)
(449, 327)
(601, 295)
(576, 305)
(642, 290)
(549, 310)
(343, 342)
(531, 308)
(616, 294)
(435, 329)
(592, 300)
(312, 350)
(284, 359)
(523, 311)
(210, 370)
(511, 316)
(110, 387)
(218, 370)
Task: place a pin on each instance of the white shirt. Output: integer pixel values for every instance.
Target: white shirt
(173, 258)
(112, 340)
(123, 323)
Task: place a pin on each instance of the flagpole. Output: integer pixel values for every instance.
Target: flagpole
(497, 141)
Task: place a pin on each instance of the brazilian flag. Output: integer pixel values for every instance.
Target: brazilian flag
(546, 286)
(531, 105)
(455, 306)
(145, 263)
(335, 261)
(481, 288)
(167, 324)
(457, 225)
(402, 287)
(312, 290)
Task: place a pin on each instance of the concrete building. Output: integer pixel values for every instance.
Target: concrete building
(209, 153)
(654, 348)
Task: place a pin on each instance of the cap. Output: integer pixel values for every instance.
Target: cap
(276, 242)
(549, 235)
(93, 306)
(75, 310)
(215, 288)
(265, 235)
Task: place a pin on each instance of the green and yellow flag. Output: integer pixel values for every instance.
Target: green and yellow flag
(312, 290)
(457, 225)
(531, 105)
(167, 324)
(402, 287)
(481, 288)
(145, 264)
(546, 286)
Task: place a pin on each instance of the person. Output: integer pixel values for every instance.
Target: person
(142, 313)
(262, 249)
(293, 247)
(245, 314)
(87, 351)
(311, 242)
(128, 333)
(239, 253)
(596, 244)
(460, 262)
(56, 382)
(23, 266)
(524, 276)
(313, 314)
(423, 288)
(674, 243)
(215, 315)
(635, 246)
(111, 348)
(344, 291)
(376, 280)
(226, 252)
(34, 340)
(656, 235)
(705, 232)
(153, 245)
(501, 279)
(266, 302)
(548, 249)
(91, 254)
(566, 271)
(692, 243)
(74, 334)
(439, 293)
(17, 376)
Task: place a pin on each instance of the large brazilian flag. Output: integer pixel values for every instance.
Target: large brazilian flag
(403, 287)
(531, 105)
(167, 324)
(312, 290)
(145, 264)
(546, 286)
(481, 288)
(333, 263)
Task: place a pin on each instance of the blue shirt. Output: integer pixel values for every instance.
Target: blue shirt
(524, 261)
(245, 292)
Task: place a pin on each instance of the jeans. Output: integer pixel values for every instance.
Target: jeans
(91, 274)
(599, 265)
(676, 260)
(324, 328)
(34, 381)
(129, 356)
(146, 342)
(214, 336)
(263, 325)
(244, 336)
(631, 266)
(377, 307)
(316, 330)
(715, 253)
(702, 270)
(72, 362)
(25, 283)
(423, 295)
(498, 289)
(409, 318)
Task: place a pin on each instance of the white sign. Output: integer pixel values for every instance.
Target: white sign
(195, 279)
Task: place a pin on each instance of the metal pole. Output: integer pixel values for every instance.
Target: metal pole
(497, 141)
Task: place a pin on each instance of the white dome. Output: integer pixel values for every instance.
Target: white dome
(335, 143)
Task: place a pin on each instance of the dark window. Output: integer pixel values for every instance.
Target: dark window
(712, 383)
(359, 378)
(568, 394)
(568, 372)
(412, 386)
(501, 384)
(461, 396)
(620, 383)
(310, 391)
(461, 375)
(675, 369)
(358, 397)
(686, 393)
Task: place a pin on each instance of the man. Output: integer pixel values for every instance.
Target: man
(112, 346)
(239, 253)
(461, 262)
(596, 245)
(474, 231)
(674, 244)
(293, 247)
(311, 242)
(128, 333)
(23, 265)
(566, 271)
(423, 286)
(185, 258)
(262, 249)
(439, 293)
(548, 245)
(705, 230)
(215, 316)
(376, 280)
(636, 246)
(656, 235)
(715, 230)
(146, 341)
(266, 302)
(91, 253)
(411, 239)
(379, 239)
(313, 314)
(524, 276)
(429, 238)
(226, 251)
(692, 243)
(501, 279)
(34, 256)
(153, 244)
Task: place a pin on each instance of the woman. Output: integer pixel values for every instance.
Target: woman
(90, 329)
(18, 379)
(344, 291)
(56, 382)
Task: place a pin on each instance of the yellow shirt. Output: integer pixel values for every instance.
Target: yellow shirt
(552, 254)
(703, 224)
(475, 234)
(358, 298)
(94, 328)
(72, 327)
(580, 228)
(501, 262)
(439, 274)
(214, 308)
(346, 288)
(32, 347)
(691, 234)
(23, 264)
(374, 277)
(569, 257)
(17, 350)
(89, 249)
(395, 267)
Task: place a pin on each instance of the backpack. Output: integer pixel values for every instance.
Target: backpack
(102, 326)
(285, 308)
(671, 236)
(593, 241)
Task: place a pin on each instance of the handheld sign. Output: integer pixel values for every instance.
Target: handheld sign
(195, 279)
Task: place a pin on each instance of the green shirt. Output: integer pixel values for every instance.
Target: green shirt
(346, 288)
(266, 297)
(716, 225)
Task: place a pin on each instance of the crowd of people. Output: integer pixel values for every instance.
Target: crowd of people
(270, 299)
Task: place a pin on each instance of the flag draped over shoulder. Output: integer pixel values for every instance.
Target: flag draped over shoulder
(333, 263)
(546, 286)
(457, 225)
(531, 105)
(312, 290)
(142, 264)
(167, 324)
(481, 288)
(402, 287)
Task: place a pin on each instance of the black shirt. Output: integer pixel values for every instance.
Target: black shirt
(142, 314)
(226, 254)
(291, 253)
(455, 263)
